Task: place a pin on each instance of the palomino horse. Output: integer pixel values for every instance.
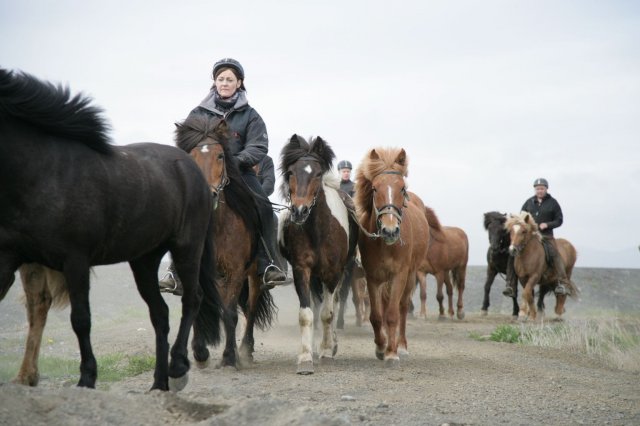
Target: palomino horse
(530, 264)
(318, 237)
(498, 258)
(393, 243)
(236, 228)
(446, 258)
(70, 200)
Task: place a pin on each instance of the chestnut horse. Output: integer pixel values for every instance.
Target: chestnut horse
(318, 237)
(206, 138)
(446, 258)
(531, 266)
(393, 244)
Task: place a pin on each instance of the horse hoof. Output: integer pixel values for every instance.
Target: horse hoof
(392, 363)
(442, 318)
(460, 315)
(178, 383)
(484, 313)
(380, 355)
(403, 353)
(305, 368)
(203, 364)
(325, 360)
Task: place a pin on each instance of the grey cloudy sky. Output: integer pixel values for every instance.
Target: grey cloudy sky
(484, 96)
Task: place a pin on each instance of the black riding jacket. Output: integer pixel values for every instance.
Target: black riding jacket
(548, 211)
(249, 140)
(347, 186)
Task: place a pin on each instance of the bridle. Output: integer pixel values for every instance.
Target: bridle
(315, 196)
(391, 209)
(224, 178)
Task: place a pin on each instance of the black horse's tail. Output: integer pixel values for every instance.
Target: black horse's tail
(208, 319)
(266, 309)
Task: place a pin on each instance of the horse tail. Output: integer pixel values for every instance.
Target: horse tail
(266, 309)
(210, 313)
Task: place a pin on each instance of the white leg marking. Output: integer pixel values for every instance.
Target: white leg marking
(305, 319)
(327, 316)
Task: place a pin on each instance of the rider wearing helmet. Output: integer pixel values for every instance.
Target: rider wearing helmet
(547, 213)
(346, 184)
(249, 145)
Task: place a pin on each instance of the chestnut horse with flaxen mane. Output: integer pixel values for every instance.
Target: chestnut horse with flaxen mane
(393, 243)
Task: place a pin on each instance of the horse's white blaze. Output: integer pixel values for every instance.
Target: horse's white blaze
(327, 315)
(305, 319)
(205, 149)
(307, 169)
(336, 206)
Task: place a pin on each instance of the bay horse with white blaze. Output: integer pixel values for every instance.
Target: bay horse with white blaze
(446, 260)
(206, 139)
(392, 242)
(70, 200)
(530, 263)
(318, 236)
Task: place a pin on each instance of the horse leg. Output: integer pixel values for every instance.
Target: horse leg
(459, 276)
(356, 296)
(38, 302)
(542, 291)
(301, 278)
(247, 345)
(403, 348)
(447, 281)
(491, 276)
(422, 278)
(230, 321)
(440, 297)
(375, 317)
(560, 301)
(392, 317)
(329, 345)
(146, 278)
(76, 273)
(347, 279)
(527, 297)
(516, 308)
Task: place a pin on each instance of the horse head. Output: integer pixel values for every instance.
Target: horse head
(498, 235)
(303, 165)
(521, 228)
(389, 196)
(205, 138)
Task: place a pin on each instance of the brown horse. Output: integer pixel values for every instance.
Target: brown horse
(530, 263)
(236, 228)
(393, 243)
(44, 288)
(447, 257)
(360, 295)
(318, 237)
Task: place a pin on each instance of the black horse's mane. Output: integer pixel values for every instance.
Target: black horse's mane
(199, 126)
(51, 109)
(494, 216)
(298, 148)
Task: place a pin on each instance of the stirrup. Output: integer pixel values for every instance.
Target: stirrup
(169, 274)
(271, 284)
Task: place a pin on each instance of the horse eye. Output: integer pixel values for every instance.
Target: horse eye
(221, 156)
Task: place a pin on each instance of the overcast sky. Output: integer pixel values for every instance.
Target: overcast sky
(485, 96)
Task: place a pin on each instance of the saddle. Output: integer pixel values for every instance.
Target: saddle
(549, 251)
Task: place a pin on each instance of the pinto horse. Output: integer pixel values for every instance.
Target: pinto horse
(70, 200)
(237, 224)
(318, 236)
(393, 244)
(530, 263)
(446, 258)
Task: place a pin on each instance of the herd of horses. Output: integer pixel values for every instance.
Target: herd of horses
(70, 200)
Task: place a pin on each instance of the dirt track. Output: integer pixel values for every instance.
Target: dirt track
(449, 377)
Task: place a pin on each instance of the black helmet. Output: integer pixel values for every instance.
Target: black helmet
(344, 164)
(230, 63)
(541, 181)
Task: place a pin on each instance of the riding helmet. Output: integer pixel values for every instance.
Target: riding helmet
(230, 63)
(344, 164)
(541, 181)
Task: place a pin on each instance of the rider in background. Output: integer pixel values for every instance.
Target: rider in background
(346, 184)
(547, 213)
(249, 145)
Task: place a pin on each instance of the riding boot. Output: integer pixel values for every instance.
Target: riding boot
(511, 278)
(558, 265)
(171, 283)
(268, 271)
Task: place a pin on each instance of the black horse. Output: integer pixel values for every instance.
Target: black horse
(499, 261)
(70, 200)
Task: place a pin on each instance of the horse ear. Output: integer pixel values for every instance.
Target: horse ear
(401, 159)
(324, 151)
(373, 155)
(294, 141)
(526, 218)
(222, 128)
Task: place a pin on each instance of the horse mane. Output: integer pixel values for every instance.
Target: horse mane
(297, 148)
(370, 168)
(523, 219)
(52, 110)
(238, 196)
(493, 216)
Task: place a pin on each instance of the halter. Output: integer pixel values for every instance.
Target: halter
(315, 196)
(391, 209)
(224, 178)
